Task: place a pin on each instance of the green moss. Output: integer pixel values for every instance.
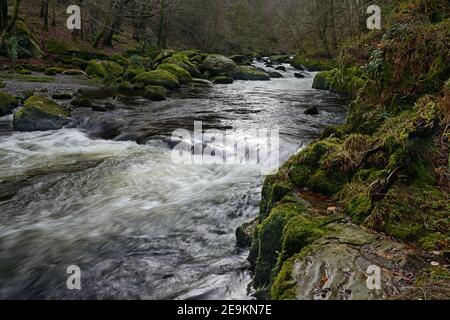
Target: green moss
(323, 80)
(58, 48)
(28, 78)
(7, 103)
(53, 71)
(120, 59)
(155, 93)
(270, 239)
(158, 78)
(251, 73)
(300, 62)
(183, 75)
(39, 113)
(135, 68)
(183, 61)
(323, 183)
(96, 69)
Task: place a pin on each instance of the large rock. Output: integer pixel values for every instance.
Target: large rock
(40, 114)
(135, 68)
(157, 78)
(337, 267)
(104, 69)
(184, 62)
(251, 73)
(218, 65)
(7, 103)
(155, 93)
(183, 75)
(323, 80)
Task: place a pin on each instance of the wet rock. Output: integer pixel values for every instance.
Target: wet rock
(312, 111)
(275, 75)
(183, 61)
(245, 233)
(201, 82)
(251, 73)
(157, 78)
(155, 93)
(299, 75)
(223, 80)
(184, 77)
(323, 80)
(40, 114)
(7, 103)
(53, 71)
(281, 68)
(82, 103)
(218, 65)
(336, 267)
(62, 96)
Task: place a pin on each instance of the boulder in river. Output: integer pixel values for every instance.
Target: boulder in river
(275, 75)
(155, 93)
(157, 78)
(40, 114)
(136, 67)
(184, 62)
(201, 82)
(323, 80)
(312, 111)
(223, 80)
(62, 96)
(184, 77)
(218, 65)
(299, 75)
(103, 69)
(281, 68)
(251, 73)
(7, 103)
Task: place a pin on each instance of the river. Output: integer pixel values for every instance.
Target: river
(138, 225)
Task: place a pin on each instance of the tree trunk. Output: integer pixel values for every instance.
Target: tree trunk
(162, 25)
(46, 15)
(3, 14)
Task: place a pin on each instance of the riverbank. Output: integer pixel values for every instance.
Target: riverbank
(386, 169)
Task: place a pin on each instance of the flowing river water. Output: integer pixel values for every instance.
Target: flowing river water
(105, 195)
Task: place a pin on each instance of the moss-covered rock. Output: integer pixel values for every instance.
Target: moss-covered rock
(7, 103)
(155, 93)
(40, 114)
(120, 59)
(251, 73)
(281, 58)
(184, 77)
(184, 62)
(51, 71)
(218, 65)
(104, 69)
(301, 62)
(323, 80)
(157, 78)
(135, 68)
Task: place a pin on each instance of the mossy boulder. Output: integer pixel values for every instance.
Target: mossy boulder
(222, 80)
(323, 80)
(104, 69)
(51, 71)
(251, 73)
(218, 65)
(40, 114)
(184, 77)
(135, 68)
(155, 93)
(120, 59)
(58, 48)
(184, 62)
(301, 62)
(157, 78)
(7, 103)
(280, 58)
